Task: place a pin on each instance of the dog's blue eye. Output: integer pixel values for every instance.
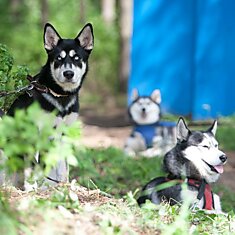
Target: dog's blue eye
(59, 58)
(76, 57)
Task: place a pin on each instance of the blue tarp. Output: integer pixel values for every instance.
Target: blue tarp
(185, 48)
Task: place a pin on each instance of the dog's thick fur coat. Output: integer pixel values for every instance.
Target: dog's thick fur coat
(59, 81)
(144, 113)
(196, 160)
(63, 73)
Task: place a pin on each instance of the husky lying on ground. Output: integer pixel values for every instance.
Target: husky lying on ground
(196, 160)
(57, 85)
(148, 134)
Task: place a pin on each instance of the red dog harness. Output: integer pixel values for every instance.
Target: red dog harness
(204, 190)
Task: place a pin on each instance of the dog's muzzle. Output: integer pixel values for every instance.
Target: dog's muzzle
(223, 158)
(68, 74)
(218, 168)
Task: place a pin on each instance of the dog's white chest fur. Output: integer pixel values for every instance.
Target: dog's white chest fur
(52, 100)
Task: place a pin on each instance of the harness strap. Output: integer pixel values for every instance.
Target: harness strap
(204, 190)
(208, 198)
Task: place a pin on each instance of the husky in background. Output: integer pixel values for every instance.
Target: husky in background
(149, 135)
(196, 160)
(57, 86)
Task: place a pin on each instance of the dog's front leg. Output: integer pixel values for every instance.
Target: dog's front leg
(134, 144)
(60, 173)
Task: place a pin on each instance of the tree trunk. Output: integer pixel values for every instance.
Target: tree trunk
(15, 9)
(44, 12)
(108, 11)
(125, 24)
(82, 15)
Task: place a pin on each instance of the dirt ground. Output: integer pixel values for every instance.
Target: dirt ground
(113, 128)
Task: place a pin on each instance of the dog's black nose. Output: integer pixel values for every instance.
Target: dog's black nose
(68, 74)
(223, 158)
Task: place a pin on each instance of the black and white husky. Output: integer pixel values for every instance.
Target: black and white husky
(57, 85)
(144, 112)
(196, 160)
(147, 136)
(62, 76)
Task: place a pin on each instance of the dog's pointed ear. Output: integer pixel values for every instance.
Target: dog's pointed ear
(51, 37)
(86, 37)
(134, 94)
(182, 131)
(213, 128)
(156, 96)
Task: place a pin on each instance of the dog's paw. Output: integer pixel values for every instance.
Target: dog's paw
(28, 187)
(129, 152)
(151, 152)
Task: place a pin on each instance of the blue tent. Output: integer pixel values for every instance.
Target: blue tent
(185, 48)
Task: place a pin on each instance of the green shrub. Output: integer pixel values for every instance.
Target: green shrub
(11, 77)
(25, 134)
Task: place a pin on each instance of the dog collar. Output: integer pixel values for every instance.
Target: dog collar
(56, 94)
(42, 88)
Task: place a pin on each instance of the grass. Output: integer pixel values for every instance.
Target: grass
(107, 205)
(113, 172)
(103, 201)
(72, 209)
(226, 133)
